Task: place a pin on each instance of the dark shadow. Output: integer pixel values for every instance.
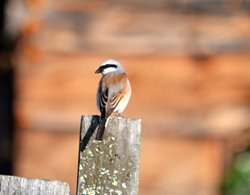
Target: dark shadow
(93, 126)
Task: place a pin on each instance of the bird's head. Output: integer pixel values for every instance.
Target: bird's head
(110, 66)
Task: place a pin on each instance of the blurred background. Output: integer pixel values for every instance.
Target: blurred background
(189, 66)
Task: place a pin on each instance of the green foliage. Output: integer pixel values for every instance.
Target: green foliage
(237, 180)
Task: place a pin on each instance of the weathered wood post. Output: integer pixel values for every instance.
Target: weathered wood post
(110, 166)
(19, 185)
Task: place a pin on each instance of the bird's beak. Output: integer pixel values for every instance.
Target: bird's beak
(99, 70)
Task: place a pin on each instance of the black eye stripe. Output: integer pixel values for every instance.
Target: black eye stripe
(109, 65)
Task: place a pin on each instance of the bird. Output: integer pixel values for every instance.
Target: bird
(113, 93)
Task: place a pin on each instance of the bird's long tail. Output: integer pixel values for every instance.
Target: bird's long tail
(101, 129)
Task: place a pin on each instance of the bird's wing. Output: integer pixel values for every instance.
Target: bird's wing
(102, 98)
(111, 91)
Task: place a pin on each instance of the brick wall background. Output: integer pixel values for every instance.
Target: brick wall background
(188, 62)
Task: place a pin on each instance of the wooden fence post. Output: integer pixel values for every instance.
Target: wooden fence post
(20, 185)
(110, 166)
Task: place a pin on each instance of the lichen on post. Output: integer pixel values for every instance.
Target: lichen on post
(110, 166)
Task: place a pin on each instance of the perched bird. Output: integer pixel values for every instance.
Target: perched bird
(113, 92)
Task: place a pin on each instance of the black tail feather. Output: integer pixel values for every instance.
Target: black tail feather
(101, 129)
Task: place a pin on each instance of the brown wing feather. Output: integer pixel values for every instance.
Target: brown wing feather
(104, 97)
(111, 89)
(111, 92)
